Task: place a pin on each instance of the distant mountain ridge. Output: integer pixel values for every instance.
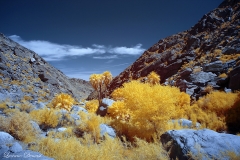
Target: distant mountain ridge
(208, 54)
(32, 76)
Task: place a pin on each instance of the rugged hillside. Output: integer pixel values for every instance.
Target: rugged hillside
(206, 54)
(25, 75)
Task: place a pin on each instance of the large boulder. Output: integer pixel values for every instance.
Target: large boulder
(5, 138)
(205, 142)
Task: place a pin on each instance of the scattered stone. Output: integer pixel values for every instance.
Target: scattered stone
(32, 60)
(75, 116)
(102, 110)
(227, 90)
(107, 101)
(78, 109)
(36, 127)
(62, 129)
(105, 129)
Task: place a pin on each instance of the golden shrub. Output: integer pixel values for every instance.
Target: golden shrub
(3, 105)
(90, 123)
(19, 126)
(47, 117)
(27, 107)
(218, 102)
(211, 110)
(233, 116)
(153, 78)
(118, 110)
(63, 101)
(223, 75)
(225, 58)
(92, 106)
(80, 148)
(145, 109)
(208, 89)
(68, 133)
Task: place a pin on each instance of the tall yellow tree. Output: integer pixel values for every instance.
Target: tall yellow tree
(98, 81)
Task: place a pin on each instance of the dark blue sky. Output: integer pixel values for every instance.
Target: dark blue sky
(81, 37)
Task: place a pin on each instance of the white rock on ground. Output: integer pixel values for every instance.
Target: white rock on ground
(5, 138)
(12, 150)
(207, 142)
(107, 101)
(105, 129)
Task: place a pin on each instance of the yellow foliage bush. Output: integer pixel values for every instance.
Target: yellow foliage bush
(233, 116)
(211, 110)
(223, 75)
(63, 101)
(144, 110)
(153, 78)
(218, 102)
(110, 149)
(92, 106)
(47, 117)
(208, 89)
(68, 133)
(3, 105)
(225, 58)
(18, 125)
(90, 123)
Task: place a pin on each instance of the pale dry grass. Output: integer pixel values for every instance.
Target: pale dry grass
(110, 149)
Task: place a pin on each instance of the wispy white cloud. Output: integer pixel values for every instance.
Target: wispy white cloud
(128, 50)
(106, 57)
(54, 52)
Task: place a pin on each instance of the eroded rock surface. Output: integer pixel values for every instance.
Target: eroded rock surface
(205, 143)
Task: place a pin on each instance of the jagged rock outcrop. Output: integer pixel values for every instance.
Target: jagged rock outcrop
(203, 144)
(24, 73)
(211, 47)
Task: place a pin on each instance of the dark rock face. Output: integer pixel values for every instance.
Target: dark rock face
(32, 76)
(206, 143)
(202, 48)
(234, 78)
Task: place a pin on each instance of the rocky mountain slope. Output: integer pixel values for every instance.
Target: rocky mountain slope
(208, 54)
(26, 76)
